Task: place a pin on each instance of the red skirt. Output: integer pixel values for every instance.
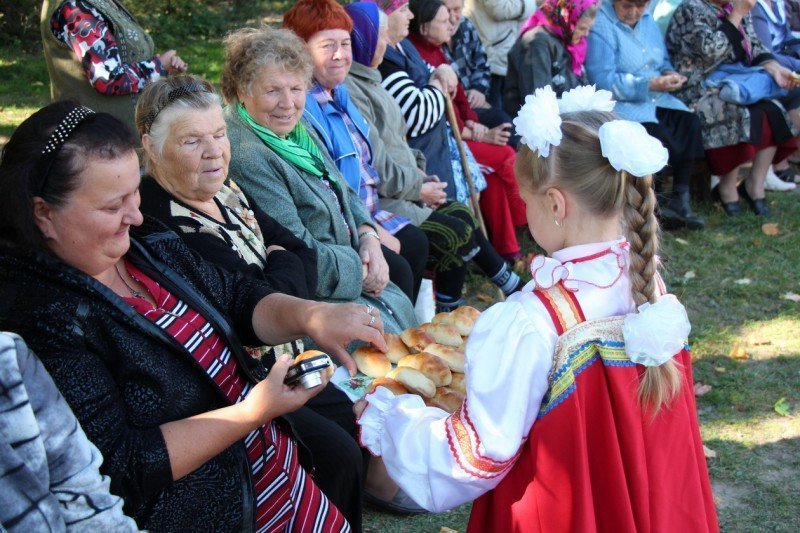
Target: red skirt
(726, 158)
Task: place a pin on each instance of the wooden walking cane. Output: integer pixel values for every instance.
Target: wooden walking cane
(473, 194)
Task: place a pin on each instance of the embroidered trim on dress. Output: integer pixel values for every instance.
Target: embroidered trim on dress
(465, 445)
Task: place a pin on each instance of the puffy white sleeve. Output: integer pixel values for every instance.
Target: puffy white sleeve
(444, 461)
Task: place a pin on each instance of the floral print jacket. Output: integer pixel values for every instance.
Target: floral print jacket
(699, 38)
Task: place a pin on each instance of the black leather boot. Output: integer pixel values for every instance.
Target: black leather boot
(677, 213)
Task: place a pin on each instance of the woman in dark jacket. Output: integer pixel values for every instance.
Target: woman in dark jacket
(145, 340)
(187, 190)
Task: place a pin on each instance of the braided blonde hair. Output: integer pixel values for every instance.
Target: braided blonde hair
(578, 165)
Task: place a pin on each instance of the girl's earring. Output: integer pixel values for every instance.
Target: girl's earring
(558, 223)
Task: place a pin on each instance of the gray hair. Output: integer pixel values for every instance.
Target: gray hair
(164, 101)
(249, 50)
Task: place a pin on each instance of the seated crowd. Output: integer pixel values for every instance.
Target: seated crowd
(166, 251)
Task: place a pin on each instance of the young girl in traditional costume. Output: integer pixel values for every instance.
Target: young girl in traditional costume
(580, 412)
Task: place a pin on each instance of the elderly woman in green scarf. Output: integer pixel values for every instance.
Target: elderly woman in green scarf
(277, 160)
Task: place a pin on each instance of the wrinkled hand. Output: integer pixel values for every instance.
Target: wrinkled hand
(272, 398)
(446, 76)
(359, 407)
(173, 63)
(376, 271)
(474, 131)
(498, 135)
(432, 193)
(477, 100)
(667, 83)
(781, 75)
(334, 326)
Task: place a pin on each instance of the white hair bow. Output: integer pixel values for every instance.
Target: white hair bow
(625, 144)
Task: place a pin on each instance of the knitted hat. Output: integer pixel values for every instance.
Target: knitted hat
(308, 17)
(387, 6)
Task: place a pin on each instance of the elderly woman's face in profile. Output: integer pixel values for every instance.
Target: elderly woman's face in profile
(193, 163)
(90, 231)
(630, 12)
(332, 56)
(278, 99)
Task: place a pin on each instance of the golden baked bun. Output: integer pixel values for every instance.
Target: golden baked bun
(372, 362)
(416, 339)
(446, 399)
(461, 321)
(459, 382)
(442, 333)
(414, 380)
(467, 312)
(389, 383)
(453, 357)
(431, 367)
(313, 353)
(397, 348)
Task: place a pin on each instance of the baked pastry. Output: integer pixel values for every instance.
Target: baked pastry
(313, 353)
(453, 357)
(372, 362)
(414, 381)
(391, 384)
(416, 339)
(431, 367)
(463, 322)
(442, 333)
(446, 399)
(459, 382)
(397, 348)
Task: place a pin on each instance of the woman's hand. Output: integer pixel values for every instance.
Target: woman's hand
(432, 193)
(667, 83)
(477, 100)
(740, 10)
(334, 326)
(173, 63)
(359, 407)
(376, 271)
(782, 75)
(474, 131)
(498, 135)
(389, 240)
(447, 78)
(271, 398)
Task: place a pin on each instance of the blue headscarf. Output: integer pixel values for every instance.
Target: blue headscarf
(366, 26)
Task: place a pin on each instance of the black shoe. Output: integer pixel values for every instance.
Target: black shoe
(757, 205)
(678, 211)
(731, 209)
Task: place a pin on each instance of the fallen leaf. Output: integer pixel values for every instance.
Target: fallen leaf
(781, 407)
(760, 342)
(737, 352)
(720, 369)
(717, 501)
(445, 529)
(770, 229)
(743, 281)
(709, 453)
(689, 275)
(791, 297)
(701, 389)
(681, 241)
(519, 266)
(38, 84)
(739, 406)
(482, 297)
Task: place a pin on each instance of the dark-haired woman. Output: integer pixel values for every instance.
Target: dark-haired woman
(145, 340)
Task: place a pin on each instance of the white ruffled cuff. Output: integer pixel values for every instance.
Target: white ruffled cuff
(657, 332)
(372, 419)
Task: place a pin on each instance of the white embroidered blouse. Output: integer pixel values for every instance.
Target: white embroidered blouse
(508, 359)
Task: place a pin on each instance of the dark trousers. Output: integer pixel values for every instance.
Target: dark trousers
(407, 267)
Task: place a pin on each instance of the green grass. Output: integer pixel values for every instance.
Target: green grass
(756, 474)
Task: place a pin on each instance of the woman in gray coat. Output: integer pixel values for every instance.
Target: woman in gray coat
(279, 162)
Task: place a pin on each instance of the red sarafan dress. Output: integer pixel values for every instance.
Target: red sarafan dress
(595, 460)
(551, 436)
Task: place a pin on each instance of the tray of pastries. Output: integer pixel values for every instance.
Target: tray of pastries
(427, 360)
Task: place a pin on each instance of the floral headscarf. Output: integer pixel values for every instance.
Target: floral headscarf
(561, 17)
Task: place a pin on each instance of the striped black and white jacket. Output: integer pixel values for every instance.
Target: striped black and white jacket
(49, 477)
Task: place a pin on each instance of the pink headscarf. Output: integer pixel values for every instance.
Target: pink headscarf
(561, 17)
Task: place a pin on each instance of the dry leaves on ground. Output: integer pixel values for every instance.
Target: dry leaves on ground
(792, 297)
(781, 407)
(689, 275)
(484, 298)
(709, 453)
(737, 352)
(701, 389)
(770, 229)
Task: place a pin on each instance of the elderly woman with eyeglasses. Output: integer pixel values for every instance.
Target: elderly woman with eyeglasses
(187, 155)
(145, 340)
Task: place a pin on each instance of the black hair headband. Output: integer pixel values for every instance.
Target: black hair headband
(172, 96)
(57, 139)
